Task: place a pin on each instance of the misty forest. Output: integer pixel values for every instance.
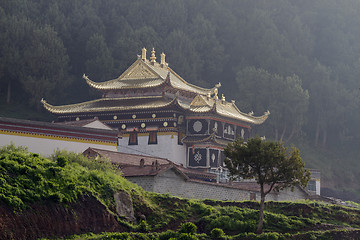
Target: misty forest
(298, 59)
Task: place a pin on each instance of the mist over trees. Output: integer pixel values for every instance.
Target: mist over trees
(297, 59)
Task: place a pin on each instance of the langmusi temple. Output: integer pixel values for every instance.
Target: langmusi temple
(158, 113)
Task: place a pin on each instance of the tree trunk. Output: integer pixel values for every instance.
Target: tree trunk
(317, 133)
(261, 212)
(283, 133)
(276, 134)
(291, 134)
(8, 97)
(324, 138)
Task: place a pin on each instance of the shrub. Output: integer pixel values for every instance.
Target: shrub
(217, 233)
(186, 236)
(169, 234)
(188, 227)
(62, 161)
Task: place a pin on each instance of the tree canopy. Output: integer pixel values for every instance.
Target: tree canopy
(268, 163)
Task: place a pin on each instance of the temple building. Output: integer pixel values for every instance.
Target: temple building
(158, 113)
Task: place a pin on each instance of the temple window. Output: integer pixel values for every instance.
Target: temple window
(152, 138)
(133, 139)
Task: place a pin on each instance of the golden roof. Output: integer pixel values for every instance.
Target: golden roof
(145, 74)
(202, 104)
(111, 105)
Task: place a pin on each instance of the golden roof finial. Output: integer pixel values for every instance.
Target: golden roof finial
(153, 58)
(222, 97)
(216, 93)
(162, 60)
(143, 54)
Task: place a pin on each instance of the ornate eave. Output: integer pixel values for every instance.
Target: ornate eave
(111, 105)
(202, 104)
(212, 138)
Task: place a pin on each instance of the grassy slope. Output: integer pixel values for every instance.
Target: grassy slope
(27, 177)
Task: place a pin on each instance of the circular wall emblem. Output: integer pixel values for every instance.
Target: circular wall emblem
(77, 119)
(115, 117)
(154, 115)
(165, 124)
(123, 126)
(197, 126)
(142, 125)
(134, 116)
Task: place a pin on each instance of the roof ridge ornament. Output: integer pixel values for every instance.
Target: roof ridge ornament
(153, 58)
(85, 77)
(162, 60)
(143, 53)
(216, 93)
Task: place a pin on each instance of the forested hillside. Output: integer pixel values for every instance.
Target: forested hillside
(297, 59)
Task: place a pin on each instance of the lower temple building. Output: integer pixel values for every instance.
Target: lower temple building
(158, 113)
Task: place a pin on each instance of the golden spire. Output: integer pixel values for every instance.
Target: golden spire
(216, 93)
(162, 61)
(222, 97)
(143, 54)
(153, 58)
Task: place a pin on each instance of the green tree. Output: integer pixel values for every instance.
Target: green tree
(182, 56)
(45, 64)
(99, 63)
(267, 162)
(284, 97)
(13, 41)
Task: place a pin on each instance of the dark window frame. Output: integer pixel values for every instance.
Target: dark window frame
(133, 138)
(152, 138)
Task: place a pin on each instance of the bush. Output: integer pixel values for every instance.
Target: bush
(217, 233)
(167, 235)
(186, 236)
(62, 161)
(188, 227)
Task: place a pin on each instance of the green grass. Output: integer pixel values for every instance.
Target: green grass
(27, 178)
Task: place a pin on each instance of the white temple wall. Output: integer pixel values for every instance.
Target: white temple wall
(171, 183)
(47, 146)
(167, 147)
